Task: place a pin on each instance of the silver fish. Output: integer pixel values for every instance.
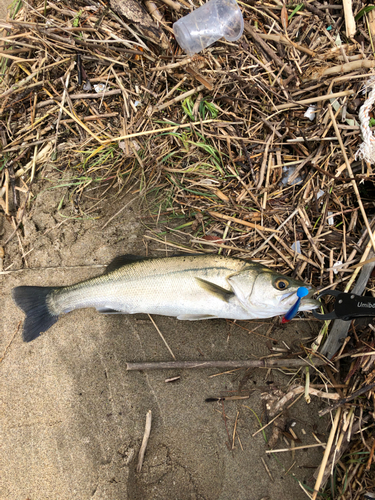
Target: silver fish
(188, 287)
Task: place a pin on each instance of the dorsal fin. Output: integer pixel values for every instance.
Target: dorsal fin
(123, 260)
(216, 290)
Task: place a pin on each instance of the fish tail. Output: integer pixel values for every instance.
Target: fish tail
(33, 301)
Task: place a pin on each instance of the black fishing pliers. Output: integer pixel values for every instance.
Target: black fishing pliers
(347, 306)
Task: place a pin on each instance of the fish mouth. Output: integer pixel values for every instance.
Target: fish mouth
(307, 302)
(286, 296)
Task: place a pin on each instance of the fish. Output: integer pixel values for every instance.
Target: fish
(188, 287)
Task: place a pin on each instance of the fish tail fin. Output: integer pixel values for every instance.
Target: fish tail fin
(33, 301)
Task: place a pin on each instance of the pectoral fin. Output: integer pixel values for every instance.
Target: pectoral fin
(216, 290)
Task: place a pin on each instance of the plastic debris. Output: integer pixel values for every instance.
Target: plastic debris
(87, 85)
(296, 247)
(310, 112)
(100, 87)
(336, 264)
(207, 24)
(287, 173)
(319, 194)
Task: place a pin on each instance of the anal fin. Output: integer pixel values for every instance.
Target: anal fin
(195, 317)
(108, 310)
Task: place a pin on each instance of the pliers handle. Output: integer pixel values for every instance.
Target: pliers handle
(348, 306)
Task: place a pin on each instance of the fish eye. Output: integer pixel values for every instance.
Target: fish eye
(281, 283)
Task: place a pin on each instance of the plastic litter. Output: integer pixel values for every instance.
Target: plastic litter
(310, 112)
(204, 26)
(320, 193)
(336, 264)
(87, 85)
(296, 247)
(287, 173)
(100, 87)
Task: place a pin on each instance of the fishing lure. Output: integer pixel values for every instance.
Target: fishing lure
(301, 292)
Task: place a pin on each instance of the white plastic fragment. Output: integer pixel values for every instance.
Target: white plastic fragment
(100, 87)
(335, 265)
(87, 86)
(330, 219)
(319, 194)
(288, 171)
(296, 247)
(310, 112)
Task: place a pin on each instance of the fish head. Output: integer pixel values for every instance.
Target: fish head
(265, 293)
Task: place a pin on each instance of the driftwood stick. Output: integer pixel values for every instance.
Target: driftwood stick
(326, 455)
(344, 401)
(146, 435)
(341, 68)
(247, 363)
(305, 102)
(349, 18)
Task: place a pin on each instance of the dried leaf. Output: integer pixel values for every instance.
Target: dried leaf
(284, 17)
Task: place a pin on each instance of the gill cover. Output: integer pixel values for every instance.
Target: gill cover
(242, 283)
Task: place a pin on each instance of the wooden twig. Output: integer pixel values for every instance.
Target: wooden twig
(242, 222)
(326, 454)
(283, 39)
(313, 100)
(146, 436)
(95, 95)
(349, 18)
(180, 98)
(18, 86)
(305, 447)
(182, 62)
(342, 68)
(161, 336)
(159, 130)
(187, 365)
(352, 396)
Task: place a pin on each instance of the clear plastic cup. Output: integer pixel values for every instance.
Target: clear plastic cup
(204, 26)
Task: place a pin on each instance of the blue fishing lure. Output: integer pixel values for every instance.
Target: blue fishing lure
(301, 292)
